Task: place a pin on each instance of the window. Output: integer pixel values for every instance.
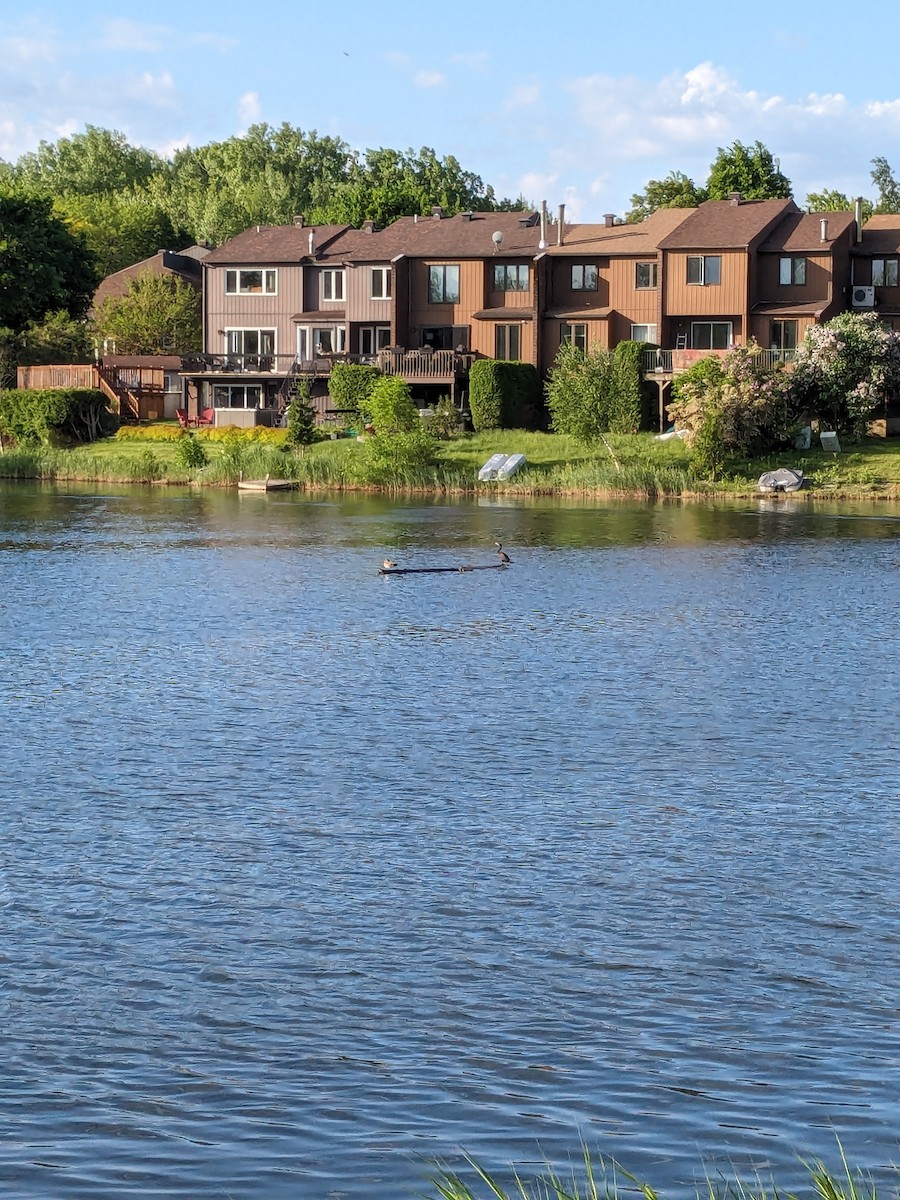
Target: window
(791, 270)
(584, 278)
(645, 275)
(643, 333)
(320, 339)
(508, 342)
(251, 283)
(237, 395)
(333, 284)
(509, 278)
(373, 338)
(784, 335)
(253, 348)
(381, 283)
(710, 335)
(704, 268)
(575, 334)
(443, 285)
(884, 272)
(438, 337)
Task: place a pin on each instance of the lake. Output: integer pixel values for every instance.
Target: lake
(310, 876)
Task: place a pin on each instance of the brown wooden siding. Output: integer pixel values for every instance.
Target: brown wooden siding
(726, 300)
(767, 289)
(361, 308)
(471, 296)
(253, 312)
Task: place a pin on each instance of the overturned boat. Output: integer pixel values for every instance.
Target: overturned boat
(785, 479)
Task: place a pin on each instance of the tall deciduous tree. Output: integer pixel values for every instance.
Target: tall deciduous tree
(96, 161)
(832, 201)
(750, 170)
(43, 265)
(888, 188)
(121, 229)
(159, 314)
(675, 191)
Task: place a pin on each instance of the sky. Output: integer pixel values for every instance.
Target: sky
(578, 103)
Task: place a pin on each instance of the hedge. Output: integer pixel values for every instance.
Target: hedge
(55, 415)
(503, 395)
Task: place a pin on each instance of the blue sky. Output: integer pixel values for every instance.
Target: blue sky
(579, 103)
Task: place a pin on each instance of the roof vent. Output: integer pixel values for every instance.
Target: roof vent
(298, 220)
(466, 216)
(823, 229)
(370, 226)
(609, 219)
(437, 213)
(734, 199)
(561, 228)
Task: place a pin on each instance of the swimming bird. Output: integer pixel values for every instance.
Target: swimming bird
(504, 557)
(388, 564)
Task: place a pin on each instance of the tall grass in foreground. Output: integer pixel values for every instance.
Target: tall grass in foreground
(600, 1178)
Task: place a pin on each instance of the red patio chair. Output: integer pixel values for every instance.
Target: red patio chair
(207, 417)
(183, 419)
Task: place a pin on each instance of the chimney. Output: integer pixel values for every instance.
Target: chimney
(298, 221)
(466, 216)
(437, 213)
(560, 230)
(609, 219)
(858, 213)
(312, 241)
(823, 229)
(734, 199)
(543, 225)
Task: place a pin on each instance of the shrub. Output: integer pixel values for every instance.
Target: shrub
(444, 420)
(146, 468)
(394, 459)
(301, 418)
(149, 433)
(351, 384)
(189, 452)
(390, 407)
(503, 395)
(578, 390)
(48, 415)
(625, 393)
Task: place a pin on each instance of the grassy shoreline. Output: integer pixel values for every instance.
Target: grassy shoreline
(633, 467)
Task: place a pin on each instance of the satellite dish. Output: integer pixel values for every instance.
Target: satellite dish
(497, 237)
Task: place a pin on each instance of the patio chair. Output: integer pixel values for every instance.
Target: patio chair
(183, 419)
(207, 417)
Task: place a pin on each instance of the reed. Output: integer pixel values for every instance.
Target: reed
(597, 1177)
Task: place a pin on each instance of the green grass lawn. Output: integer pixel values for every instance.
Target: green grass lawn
(625, 465)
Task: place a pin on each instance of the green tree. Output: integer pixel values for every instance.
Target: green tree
(122, 228)
(831, 201)
(578, 391)
(675, 191)
(44, 267)
(888, 188)
(750, 170)
(846, 369)
(625, 392)
(56, 338)
(96, 161)
(390, 407)
(301, 418)
(159, 314)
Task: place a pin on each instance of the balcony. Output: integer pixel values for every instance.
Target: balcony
(424, 366)
(673, 362)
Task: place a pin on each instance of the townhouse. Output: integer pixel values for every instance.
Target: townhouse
(427, 295)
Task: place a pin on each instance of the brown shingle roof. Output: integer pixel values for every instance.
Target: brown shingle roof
(721, 225)
(642, 238)
(184, 264)
(803, 231)
(267, 244)
(880, 235)
(461, 236)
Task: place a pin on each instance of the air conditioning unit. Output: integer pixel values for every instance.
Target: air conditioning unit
(863, 297)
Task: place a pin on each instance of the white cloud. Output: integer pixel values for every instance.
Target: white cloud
(526, 95)
(477, 60)
(158, 90)
(429, 79)
(22, 50)
(249, 109)
(122, 34)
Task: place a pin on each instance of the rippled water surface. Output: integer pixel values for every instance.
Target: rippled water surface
(310, 876)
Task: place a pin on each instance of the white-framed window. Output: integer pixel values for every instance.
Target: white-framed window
(314, 340)
(791, 270)
(584, 277)
(575, 334)
(704, 268)
(373, 338)
(381, 283)
(443, 284)
(511, 277)
(644, 333)
(884, 272)
(508, 342)
(253, 281)
(784, 335)
(645, 275)
(710, 335)
(236, 395)
(332, 284)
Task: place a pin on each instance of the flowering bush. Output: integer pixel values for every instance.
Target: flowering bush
(846, 369)
(733, 405)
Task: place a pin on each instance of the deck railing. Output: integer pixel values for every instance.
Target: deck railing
(668, 362)
(423, 364)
